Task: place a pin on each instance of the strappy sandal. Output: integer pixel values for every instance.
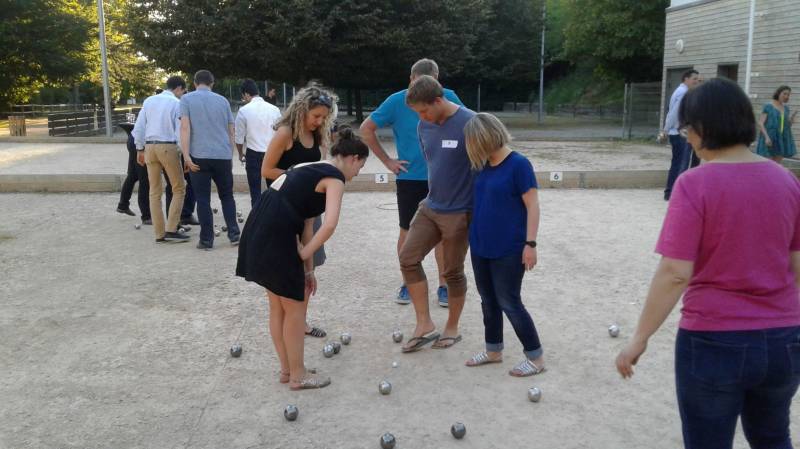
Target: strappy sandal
(317, 332)
(526, 368)
(284, 376)
(310, 383)
(481, 358)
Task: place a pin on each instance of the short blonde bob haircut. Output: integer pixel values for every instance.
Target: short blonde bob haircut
(484, 134)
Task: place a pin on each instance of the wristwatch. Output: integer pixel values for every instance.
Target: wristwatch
(531, 243)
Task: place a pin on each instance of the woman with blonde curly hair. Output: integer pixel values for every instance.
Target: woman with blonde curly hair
(302, 135)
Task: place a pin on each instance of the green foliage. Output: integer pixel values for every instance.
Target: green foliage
(582, 87)
(40, 41)
(129, 72)
(619, 37)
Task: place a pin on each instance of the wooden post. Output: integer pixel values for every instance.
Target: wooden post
(16, 125)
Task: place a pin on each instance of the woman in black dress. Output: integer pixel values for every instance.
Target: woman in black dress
(278, 244)
(302, 136)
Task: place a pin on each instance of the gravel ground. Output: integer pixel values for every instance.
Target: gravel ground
(110, 340)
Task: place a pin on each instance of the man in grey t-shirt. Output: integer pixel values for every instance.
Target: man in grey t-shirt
(208, 148)
(444, 215)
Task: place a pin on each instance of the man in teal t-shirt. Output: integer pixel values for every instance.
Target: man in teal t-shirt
(410, 166)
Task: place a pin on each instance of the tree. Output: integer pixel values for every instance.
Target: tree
(129, 72)
(621, 37)
(346, 43)
(40, 41)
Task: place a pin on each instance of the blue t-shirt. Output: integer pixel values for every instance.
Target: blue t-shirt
(499, 218)
(210, 115)
(451, 175)
(395, 112)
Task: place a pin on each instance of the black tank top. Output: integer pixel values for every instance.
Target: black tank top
(298, 154)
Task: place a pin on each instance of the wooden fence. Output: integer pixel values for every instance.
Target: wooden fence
(84, 123)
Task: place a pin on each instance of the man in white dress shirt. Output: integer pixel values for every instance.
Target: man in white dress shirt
(254, 131)
(156, 137)
(682, 153)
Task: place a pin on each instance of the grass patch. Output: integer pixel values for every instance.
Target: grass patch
(583, 88)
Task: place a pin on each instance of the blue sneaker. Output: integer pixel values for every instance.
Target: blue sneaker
(442, 294)
(403, 296)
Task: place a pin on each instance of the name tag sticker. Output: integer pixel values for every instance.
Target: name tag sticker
(449, 144)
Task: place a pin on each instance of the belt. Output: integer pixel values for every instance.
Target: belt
(160, 142)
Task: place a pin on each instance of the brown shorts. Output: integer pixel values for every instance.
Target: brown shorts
(427, 229)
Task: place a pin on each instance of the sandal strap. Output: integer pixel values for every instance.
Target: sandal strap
(480, 358)
(317, 332)
(527, 367)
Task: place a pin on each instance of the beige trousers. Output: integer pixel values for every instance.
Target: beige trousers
(164, 157)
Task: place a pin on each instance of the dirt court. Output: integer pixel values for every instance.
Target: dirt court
(112, 341)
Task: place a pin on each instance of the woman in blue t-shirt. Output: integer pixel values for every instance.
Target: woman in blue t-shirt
(502, 240)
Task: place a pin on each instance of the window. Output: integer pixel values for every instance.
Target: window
(730, 71)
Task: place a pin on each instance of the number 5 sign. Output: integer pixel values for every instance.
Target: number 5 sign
(381, 178)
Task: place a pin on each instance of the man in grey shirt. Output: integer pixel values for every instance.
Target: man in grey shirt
(444, 214)
(208, 148)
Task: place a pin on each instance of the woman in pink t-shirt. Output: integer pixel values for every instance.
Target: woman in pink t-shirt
(731, 245)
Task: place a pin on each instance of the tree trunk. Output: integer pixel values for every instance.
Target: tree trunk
(349, 102)
(359, 107)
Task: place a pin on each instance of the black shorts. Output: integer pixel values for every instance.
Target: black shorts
(409, 195)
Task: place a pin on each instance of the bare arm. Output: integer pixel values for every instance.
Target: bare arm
(369, 135)
(796, 266)
(761, 120)
(308, 234)
(277, 146)
(669, 282)
(186, 130)
(531, 200)
(334, 190)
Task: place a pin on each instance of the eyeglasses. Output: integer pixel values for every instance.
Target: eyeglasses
(322, 100)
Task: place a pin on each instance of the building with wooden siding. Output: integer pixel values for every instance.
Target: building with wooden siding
(711, 36)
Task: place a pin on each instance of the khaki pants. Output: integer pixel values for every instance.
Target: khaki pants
(427, 229)
(164, 157)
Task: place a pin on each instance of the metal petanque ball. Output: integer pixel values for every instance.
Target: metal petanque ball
(534, 394)
(241, 220)
(394, 365)
(216, 233)
(238, 213)
(224, 229)
(236, 350)
(613, 331)
(336, 346)
(290, 412)
(182, 230)
(458, 430)
(328, 351)
(385, 387)
(215, 210)
(137, 226)
(345, 337)
(388, 441)
(397, 336)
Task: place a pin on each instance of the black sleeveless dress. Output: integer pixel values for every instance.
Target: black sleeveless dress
(298, 154)
(268, 247)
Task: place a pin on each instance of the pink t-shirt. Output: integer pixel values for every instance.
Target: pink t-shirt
(738, 223)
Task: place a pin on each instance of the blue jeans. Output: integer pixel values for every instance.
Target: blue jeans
(221, 172)
(499, 282)
(682, 158)
(720, 376)
(252, 165)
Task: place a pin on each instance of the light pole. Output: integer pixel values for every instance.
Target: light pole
(541, 64)
(749, 63)
(104, 60)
